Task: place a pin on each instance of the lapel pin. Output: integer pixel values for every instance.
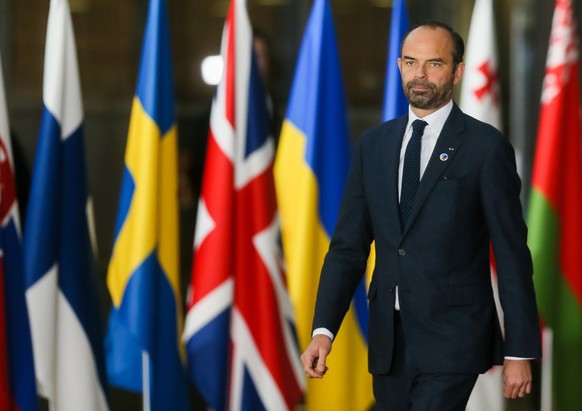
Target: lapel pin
(444, 156)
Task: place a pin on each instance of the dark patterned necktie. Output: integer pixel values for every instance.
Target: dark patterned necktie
(411, 171)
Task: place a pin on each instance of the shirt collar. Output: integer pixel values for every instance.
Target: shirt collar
(436, 120)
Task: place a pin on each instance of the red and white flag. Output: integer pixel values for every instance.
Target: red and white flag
(480, 95)
(480, 98)
(242, 353)
(17, 381)
(554, 218)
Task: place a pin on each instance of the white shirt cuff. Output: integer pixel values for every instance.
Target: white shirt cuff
(324, 331)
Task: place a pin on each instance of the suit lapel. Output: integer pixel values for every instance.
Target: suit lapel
(444, 153)
(390, 159)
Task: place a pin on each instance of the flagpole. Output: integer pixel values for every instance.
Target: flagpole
(145, 371)
(546, 374)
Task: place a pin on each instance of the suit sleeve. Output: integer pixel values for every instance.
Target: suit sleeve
(346, 259)
(500, 190)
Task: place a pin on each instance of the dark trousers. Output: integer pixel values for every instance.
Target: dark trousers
(406, 388)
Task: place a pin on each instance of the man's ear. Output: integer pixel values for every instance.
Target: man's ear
(459, 72)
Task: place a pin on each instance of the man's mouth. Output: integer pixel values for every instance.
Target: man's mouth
(420, 88)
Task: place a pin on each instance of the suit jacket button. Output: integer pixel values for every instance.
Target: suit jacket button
(402, 252)
(391, 290)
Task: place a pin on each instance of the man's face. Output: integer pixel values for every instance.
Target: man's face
(427, 69)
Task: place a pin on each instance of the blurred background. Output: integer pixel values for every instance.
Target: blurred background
(109, 38)
(109, 35)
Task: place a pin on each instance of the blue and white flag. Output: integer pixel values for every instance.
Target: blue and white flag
(395, 103)
(61, 292)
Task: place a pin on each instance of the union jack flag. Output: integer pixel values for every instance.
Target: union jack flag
(239, 330)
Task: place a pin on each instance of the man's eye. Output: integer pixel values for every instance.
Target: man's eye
(435, 64)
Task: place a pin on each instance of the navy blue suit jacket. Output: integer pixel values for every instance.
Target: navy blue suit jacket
(468, 198)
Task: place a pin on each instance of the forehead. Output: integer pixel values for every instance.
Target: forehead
(428, 43)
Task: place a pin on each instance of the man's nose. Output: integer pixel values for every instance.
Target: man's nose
(420, 71)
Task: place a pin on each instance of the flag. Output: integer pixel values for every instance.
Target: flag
(310, 171)
(239, 332)
(480, 98)
(143, 348)
(554, 217)
(61, 292)
(480, 94)
(395, 103)
(17, 383)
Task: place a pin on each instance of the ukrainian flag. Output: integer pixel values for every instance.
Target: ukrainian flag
(144, 352)
(310, 171)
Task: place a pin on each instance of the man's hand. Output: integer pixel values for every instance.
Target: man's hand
(313, 358)
(516, 378)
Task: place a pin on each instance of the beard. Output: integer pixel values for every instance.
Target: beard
(433, 98)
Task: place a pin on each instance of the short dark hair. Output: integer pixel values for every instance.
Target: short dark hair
(458, 43)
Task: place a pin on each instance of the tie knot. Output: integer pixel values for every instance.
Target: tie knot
(418, 126)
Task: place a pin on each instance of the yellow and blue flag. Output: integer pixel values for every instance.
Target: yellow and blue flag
(143, 347)
(310, 171)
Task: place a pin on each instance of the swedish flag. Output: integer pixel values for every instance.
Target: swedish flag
(143, 345)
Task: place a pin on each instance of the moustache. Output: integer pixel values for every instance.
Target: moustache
(421, 83)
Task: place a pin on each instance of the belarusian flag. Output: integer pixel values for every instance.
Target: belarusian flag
(555, 214)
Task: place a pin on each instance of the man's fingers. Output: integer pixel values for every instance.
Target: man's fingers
(314, 366)
(523, 391)
(309, 361)
(320, 366)
(516, 390)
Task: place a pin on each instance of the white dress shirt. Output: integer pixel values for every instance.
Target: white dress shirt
(435, 123)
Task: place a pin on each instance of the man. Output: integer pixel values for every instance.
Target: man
(433, 325)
